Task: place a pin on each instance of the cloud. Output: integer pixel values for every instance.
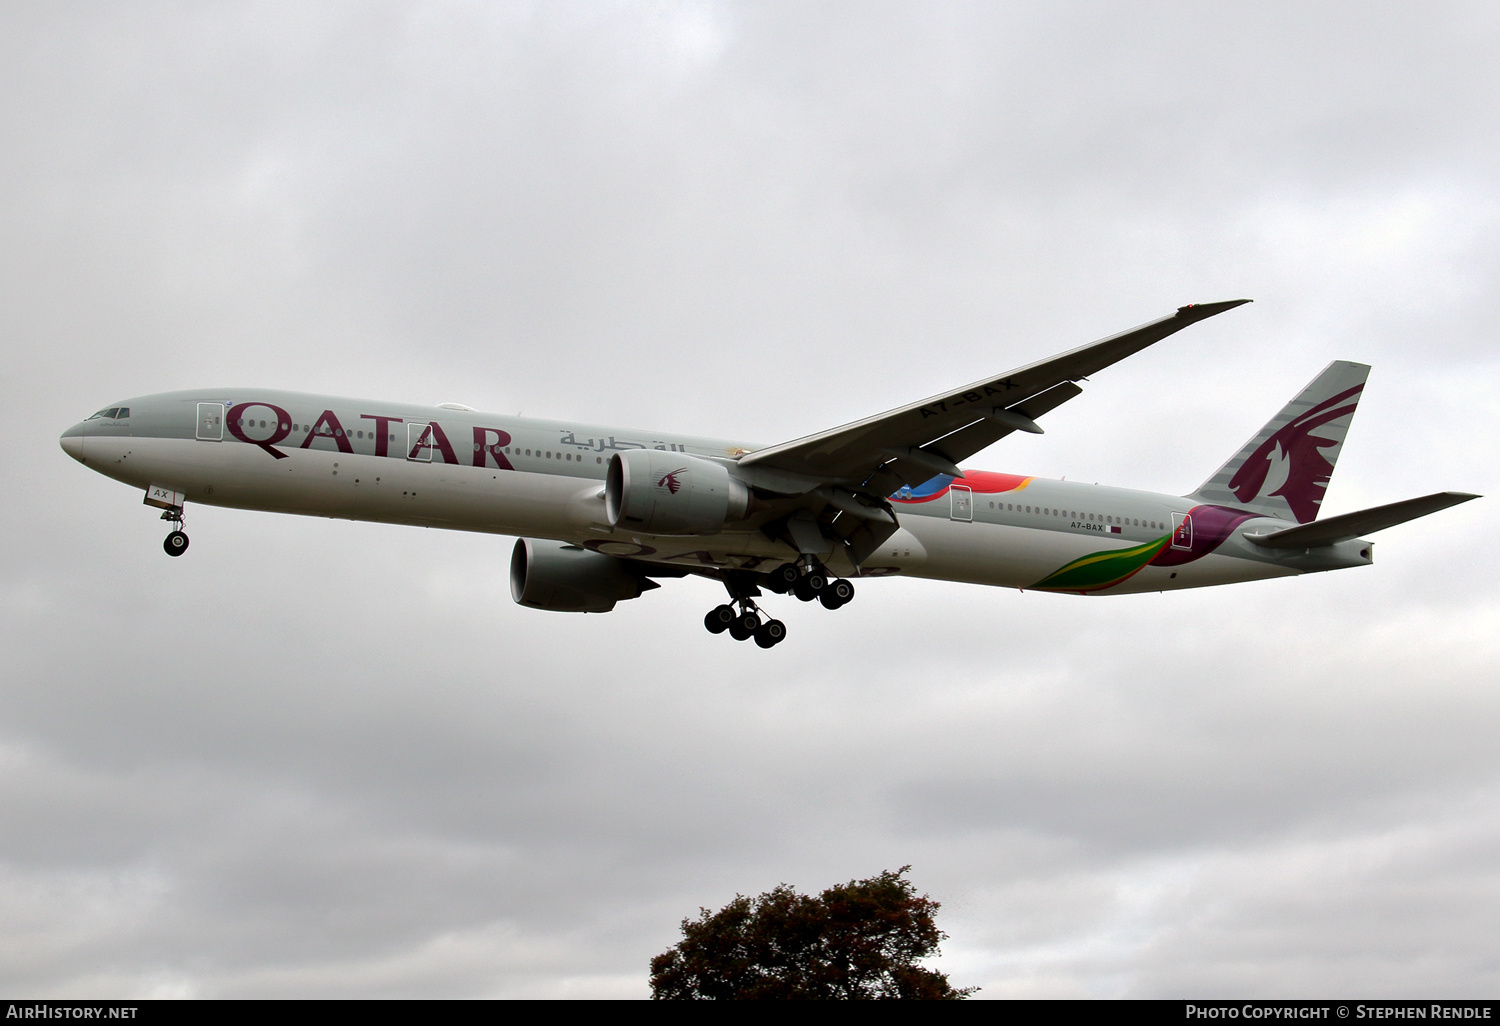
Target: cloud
(320, 758)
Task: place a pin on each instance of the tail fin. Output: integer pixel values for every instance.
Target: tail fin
(1284, 470)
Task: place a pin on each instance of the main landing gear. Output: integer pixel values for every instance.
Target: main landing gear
(177, 542)
(745, 623)
(810, 582)
(743, 620)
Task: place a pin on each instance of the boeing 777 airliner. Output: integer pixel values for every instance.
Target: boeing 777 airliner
(603, 513)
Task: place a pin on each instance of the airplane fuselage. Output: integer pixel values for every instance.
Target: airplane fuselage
(461, 469)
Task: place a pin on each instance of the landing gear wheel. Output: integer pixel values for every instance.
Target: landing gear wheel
(176, 543)
(718, 619)
(784, 578)
(770, 633)
(809, 585)
(842, 590)
(830, 598)
(743, 626)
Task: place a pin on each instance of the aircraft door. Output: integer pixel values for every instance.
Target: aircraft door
(210, 422)
(963, 502)
(419, 442)
(1182, 530)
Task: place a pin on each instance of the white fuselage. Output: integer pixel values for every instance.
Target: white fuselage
(465, 470)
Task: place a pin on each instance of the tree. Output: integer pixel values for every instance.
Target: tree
(859, 940)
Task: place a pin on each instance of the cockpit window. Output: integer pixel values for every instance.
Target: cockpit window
(113, 413)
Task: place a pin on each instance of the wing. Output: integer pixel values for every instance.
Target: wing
(931, 437)
(847, 472)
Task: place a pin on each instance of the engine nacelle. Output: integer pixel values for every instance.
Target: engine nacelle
(671, 493)
(568, 579)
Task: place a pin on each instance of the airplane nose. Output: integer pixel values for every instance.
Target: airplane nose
(72, 442)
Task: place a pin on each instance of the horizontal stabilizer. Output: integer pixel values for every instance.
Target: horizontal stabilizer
(1354, 525)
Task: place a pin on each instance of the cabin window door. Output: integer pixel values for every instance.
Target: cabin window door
(210, 422)
(963, 502)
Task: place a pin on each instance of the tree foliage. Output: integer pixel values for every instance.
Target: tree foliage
(859, 940)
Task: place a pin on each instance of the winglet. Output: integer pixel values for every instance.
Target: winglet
(1201, 311)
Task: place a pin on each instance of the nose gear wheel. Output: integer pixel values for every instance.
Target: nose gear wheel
(176, 543)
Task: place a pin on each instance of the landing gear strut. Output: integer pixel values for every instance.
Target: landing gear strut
(177, 542)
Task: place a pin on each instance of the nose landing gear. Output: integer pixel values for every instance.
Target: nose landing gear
(177, 542)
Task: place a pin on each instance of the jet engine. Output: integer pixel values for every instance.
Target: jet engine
(672, 493)
(568, 579)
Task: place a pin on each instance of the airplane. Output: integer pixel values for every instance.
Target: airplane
(602, 514)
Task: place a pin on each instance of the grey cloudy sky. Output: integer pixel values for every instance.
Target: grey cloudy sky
(325, 758)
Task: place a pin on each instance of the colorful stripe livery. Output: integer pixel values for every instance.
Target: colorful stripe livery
(1202, 531)
(980, 481)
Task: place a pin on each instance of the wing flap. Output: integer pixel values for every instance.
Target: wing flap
(972, 438)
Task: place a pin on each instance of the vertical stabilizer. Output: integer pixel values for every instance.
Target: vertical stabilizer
(1284, 470)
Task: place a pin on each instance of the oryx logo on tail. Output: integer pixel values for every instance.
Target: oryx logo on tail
(1284, 470)
(1307, 472)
